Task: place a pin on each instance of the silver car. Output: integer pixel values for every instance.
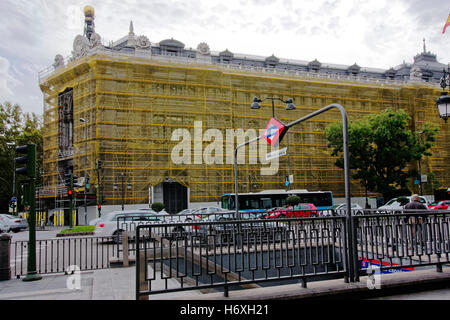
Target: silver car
(3, 226)
(13, 223)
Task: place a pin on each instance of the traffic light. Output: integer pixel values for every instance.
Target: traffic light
(25, 197)
(29, 160)
(68, 180)
(99, 164)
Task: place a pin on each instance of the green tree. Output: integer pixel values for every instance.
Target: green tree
(16, 128)
(380, 148)
(157, 206)
(293, 200)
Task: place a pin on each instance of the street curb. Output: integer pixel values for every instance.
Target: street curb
(77, 234)
(339, 290)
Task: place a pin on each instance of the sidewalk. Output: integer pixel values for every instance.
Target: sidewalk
(104, 284)
(119, 284)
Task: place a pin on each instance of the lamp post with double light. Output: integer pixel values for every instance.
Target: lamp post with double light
(443, 102)
(289, 106)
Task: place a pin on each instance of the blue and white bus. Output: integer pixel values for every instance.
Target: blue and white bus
(269, 199)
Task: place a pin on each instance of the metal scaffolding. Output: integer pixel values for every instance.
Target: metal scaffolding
(134, 104)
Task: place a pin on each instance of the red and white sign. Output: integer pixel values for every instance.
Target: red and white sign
(274, 132)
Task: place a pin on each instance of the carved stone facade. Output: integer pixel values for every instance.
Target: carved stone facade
(425, 66)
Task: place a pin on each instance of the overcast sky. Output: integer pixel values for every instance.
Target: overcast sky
(375, 33)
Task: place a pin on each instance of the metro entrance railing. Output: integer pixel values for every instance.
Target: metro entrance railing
(236, 254)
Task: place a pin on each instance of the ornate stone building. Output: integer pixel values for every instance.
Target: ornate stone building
(135, 93)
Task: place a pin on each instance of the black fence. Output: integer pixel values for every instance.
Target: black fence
(233, 254)
(218, 252)
(63, 255)
(405, 240)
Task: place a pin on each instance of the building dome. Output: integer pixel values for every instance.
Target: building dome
(89, 11)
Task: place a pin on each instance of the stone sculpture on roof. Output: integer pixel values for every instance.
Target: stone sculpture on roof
(203, 48)
(59, 62)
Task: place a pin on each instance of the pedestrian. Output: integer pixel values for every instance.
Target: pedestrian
(413, 205)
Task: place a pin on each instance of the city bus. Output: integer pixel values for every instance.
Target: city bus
(268, 199)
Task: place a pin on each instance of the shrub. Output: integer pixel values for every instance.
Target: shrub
(293, 200)
(157, 206)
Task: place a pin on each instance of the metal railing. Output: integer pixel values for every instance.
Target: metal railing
(57, 255)
(405, 240)
(217, 251)
(214, 253)
(234, 253)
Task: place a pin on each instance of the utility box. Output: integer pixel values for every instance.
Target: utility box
(5, 257)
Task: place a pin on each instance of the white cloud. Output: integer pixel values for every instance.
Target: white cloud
(7, 82)
(375, 33)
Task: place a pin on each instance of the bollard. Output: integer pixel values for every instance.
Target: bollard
(5, 257)
(125, 248)
(143, 283)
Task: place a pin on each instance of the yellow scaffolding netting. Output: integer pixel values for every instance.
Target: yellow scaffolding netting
(134, 105)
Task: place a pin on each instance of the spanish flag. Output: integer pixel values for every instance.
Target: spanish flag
(447, 23)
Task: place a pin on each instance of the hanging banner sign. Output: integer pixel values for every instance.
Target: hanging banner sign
(274, 132)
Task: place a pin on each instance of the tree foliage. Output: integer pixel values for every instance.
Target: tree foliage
(293, 200)
(157, 206)
(380, 148)
(19, 128)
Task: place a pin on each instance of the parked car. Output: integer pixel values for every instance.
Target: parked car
(301, 210)
(440, 205)
(3, 226)
(13, 223)
(202, 213)
(252, 229)
(340, 209)
(117, 222)
(94, 221)
(186, 211)
(398, 203)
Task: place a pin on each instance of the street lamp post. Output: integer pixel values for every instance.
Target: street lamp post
(352, 259)
(85, 167)
(123, 193)
(420, 168)
(443, 102)
(289, 106)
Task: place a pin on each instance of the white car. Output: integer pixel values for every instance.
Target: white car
(399, 202)
(3, 226)
(339, 209)
(115, 223)
(13, 223)
(202, 213)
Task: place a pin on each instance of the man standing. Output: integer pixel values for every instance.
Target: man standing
(415, 204)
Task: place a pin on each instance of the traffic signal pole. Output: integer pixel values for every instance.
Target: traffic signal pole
(71, 201)
(30, 193)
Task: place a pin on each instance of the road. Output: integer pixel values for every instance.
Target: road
(48, 233)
